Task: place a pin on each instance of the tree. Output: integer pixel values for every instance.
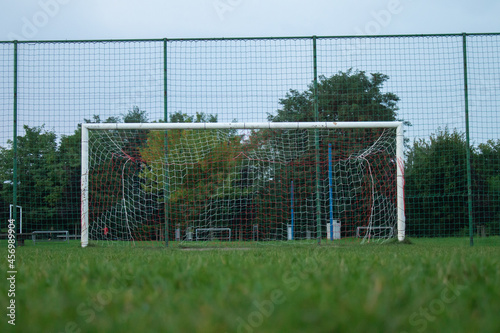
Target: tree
(69, 155)
(116, 165)
(487, 163)
(194, 166)
(4, 211)
(39, 176)
(96, 119)
(135, 115)
(345, 96)
(200, 117)
(436, 186)
(49, 174)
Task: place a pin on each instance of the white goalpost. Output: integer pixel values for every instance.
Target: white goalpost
(144, 182)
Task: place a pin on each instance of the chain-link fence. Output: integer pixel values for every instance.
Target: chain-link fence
(444, 87)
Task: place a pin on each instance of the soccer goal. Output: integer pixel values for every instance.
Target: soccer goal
(158, 183)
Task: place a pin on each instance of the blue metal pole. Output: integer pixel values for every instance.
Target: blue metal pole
(330, 188)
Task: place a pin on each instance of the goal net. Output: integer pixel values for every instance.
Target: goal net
(240, 182)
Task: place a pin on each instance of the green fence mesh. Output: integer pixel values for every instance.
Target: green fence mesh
(444, 87)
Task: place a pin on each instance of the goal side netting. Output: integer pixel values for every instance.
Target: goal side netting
(202, 183)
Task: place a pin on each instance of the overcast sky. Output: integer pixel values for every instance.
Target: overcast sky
(155, 19)
(124, 19)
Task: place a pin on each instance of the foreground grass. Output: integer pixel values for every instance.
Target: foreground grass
(431, 285)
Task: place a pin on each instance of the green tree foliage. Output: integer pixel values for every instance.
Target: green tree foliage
(200, 117)
(49, 174)
(193, 166)
(188, 158)
(345, 96)
(120, 164)
(436, 186)
(40, 176)
(4, 211)
(69, 153)
(487, 163)
(136, 115)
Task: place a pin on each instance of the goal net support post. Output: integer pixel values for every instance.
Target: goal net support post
(131, 221)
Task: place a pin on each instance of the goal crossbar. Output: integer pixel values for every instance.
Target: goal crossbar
(250, 125)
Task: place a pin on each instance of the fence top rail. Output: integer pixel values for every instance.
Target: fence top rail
(255, 125)
(251, 38)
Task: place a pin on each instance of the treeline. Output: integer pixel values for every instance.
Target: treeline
(436, 186)
(48, 175)
(436, 192)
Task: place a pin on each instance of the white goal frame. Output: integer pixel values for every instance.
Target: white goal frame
(213, 229)
(401, 222)
(358, 229)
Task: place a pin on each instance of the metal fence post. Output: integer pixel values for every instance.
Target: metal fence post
(467, 135)
(14, 143)
(316, 140)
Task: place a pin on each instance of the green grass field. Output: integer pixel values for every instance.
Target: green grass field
(431, 285)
